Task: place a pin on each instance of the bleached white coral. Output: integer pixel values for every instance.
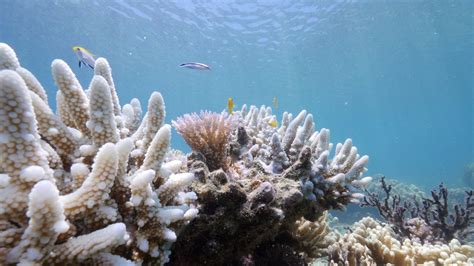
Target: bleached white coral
(53, 129)
(132, 115)
(102, 68)
(8, 59)
(157, 151)
(74, 97)
(296, 151)
(62, 110)
(46, 222)
(173, 185)
(83, 152)
(80, 248)
(32, 83)
(102, 120)
(96, 187)
(153, 120)
(20, 148)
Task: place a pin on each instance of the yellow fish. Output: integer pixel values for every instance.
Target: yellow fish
(273, 122)
(275, 102)
(230, 105)
(85, 57)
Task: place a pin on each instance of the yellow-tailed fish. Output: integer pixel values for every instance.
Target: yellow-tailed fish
(230, 105)
(275, 102)
(85, 57)
(273, 122)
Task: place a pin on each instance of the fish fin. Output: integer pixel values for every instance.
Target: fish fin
(80, 63)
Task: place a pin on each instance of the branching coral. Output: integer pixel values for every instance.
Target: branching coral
(207, 133)
(298, 152)
(275, 177)
(427, 221)
(71, 192)
(372, 243)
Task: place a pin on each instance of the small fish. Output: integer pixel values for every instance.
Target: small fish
(195, 65)
(85, 57)
(273, 122)
(275, 102)
(230, 105)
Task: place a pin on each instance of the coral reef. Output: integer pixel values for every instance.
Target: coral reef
(428, 220)
(267, 181)
(96, 184)
(92, 184)
(372, 243)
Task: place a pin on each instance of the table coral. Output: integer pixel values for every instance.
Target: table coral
(71, 190)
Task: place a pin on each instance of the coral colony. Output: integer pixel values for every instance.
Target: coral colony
(96, 184)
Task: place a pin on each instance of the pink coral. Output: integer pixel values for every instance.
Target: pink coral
(207, 133)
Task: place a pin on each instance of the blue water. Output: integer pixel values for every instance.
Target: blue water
(395, 76)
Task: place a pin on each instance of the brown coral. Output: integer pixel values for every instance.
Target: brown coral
(207, 133)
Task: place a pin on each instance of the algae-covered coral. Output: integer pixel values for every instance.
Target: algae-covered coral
(90, 184)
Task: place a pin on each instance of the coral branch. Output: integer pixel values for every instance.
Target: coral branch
(426, 221)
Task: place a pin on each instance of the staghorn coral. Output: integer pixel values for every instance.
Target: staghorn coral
(372, 243)
(274, 177)
(71, 191)
(428, 220)
(207, 133)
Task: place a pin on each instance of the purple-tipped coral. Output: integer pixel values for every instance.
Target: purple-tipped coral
(207, 133)
(428, 220)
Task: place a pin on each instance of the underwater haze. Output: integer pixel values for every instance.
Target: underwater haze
(395, 76)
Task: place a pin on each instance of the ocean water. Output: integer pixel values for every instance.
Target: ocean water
(395, 76)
